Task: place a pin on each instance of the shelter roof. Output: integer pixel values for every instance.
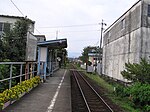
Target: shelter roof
(54, 44)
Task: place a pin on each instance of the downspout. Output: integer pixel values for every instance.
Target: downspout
(39, 55)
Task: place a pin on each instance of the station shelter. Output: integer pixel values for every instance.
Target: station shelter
(48, 61)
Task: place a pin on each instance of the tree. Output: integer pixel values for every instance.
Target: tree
(14, 41)
(84, 58)
(62, 54)
(137, 72)
(13, 48)
(5, 73)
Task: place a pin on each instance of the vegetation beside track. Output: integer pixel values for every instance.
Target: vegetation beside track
(123, 102)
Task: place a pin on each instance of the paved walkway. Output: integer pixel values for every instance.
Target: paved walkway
(52, 96)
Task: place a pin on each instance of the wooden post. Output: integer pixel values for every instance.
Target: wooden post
(26, 71)
(31, 70)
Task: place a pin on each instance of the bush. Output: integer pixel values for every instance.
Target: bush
(137, 72)
(5, 73)
(139, 95)
(120, 91)
(14, 92)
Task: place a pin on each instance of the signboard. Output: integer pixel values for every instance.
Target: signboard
(90, 69)
(31, 47)
(43, 54)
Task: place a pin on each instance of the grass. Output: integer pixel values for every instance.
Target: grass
(101, 82)
(124, 103)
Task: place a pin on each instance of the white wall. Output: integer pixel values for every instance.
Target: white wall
(121, 51)
(43, 54)
(124, 44)
(13, 20)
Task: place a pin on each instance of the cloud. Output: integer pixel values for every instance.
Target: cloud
(69, 12)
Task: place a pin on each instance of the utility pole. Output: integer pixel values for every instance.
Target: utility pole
(100, 47)
(56, 49)
(56, 34)
(102, 28)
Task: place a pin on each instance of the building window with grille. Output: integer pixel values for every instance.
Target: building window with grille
(109, 35)
(1, 26)
(4, 27)
(148, 11)
(1, 29)
(123, 24)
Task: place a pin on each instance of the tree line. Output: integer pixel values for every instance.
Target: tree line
(13, 41)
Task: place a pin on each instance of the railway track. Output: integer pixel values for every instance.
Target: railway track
(87, 99)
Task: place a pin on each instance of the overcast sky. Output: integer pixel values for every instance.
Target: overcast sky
(83, 17)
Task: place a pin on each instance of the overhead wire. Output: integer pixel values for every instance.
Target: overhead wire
(81, 25)
(96, 44)
(74, 31)
(22, 13)
(83, 39)
(17, 7)
(38, 31)
(82, 31)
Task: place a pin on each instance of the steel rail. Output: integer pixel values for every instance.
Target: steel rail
(81, 92)
(96, 92)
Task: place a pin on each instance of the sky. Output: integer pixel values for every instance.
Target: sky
(77, 20)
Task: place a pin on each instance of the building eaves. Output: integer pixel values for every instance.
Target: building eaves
(16, 17)
(121, 16)
(54, 44)
(40, 36)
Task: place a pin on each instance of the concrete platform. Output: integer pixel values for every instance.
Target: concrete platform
(52, 96)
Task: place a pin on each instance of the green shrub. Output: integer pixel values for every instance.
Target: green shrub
(120, 90)
(137, 72)
(14, 92)
(5, 73)
(147, 108)
(139, 92)
(140, 95)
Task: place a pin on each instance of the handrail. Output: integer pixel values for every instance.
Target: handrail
(21, 66)
(14, 63)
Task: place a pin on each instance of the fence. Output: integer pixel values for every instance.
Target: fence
(99, 68)
(55, 66)
(21, 71)
(14, 70)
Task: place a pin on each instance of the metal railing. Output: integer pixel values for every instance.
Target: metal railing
(55, 66)
(23, 69)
